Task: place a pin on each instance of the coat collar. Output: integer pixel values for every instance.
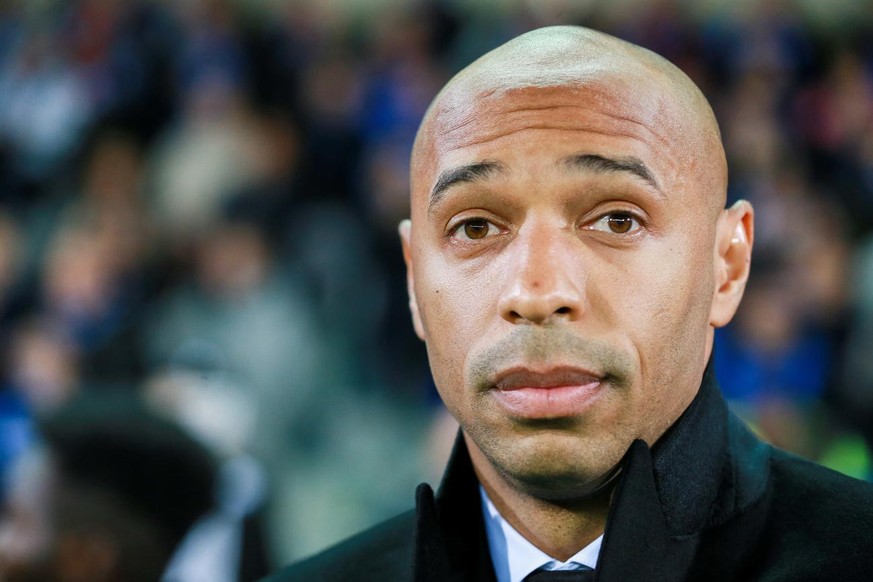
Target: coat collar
(451, 543)
(703, 470)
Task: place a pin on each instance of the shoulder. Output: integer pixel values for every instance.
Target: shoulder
(796, 487)
(383, 552)
(820, 517)
(807, 488)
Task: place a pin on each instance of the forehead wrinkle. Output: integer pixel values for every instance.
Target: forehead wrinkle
(472, 116)
(488, 139)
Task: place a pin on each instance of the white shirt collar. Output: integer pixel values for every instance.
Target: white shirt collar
(514, 557)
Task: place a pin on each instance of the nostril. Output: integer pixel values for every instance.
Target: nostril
(563, 310)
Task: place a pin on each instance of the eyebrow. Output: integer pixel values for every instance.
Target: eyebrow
(629, 165)
(464, 174)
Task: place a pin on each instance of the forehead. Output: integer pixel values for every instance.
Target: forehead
(462, 114)
(610, 115)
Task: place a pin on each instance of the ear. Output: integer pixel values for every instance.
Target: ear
(405, 230)
(735, 233)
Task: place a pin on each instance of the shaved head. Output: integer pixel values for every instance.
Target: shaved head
(569, 257)
(576, 57)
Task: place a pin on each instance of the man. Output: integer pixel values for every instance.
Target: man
(106, 498)
(569, 258)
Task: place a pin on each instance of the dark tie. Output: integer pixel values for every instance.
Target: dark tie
(585, 575)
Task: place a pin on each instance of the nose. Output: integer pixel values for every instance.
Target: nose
(544, 283)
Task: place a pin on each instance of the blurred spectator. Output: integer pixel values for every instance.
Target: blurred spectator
(44, 108)
(775, 364)
(254, 324)
(204, 160)
(44, 365)
(229, 543)
(779, 360)
(107, 496)
(331, 95)
(350, 294)
(256, 320)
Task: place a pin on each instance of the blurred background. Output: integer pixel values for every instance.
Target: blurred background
(199, 200)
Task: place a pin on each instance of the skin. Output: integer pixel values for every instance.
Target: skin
(568, 228)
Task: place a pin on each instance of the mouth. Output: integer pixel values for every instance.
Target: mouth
(547, 393)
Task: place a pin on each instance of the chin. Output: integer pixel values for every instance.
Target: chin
(556, 467)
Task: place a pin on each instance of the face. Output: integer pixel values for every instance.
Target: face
(561, 257)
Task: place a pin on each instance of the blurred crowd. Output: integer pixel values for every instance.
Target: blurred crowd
(199, 201)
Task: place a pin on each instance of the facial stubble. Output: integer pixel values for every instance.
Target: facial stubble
(558, 458)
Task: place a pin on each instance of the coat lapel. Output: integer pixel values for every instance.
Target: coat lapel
(637, 544)
(669, 495)
(451, 544)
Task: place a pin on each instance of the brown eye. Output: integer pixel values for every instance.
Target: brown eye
(620, 223)
(616, 223)
(476, 229)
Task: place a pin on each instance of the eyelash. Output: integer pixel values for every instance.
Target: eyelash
(636, 224)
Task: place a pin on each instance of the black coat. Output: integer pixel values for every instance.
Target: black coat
(709, 502)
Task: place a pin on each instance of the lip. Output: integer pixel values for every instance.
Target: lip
(547, 393)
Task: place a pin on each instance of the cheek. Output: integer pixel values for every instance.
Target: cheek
(455, 300)
(678, 281)
(456, 307)
(654, 300)
(671, 340)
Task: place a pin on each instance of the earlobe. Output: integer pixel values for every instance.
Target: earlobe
(733, 255)
(405, 230)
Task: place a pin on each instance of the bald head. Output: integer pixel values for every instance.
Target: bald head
(608, 73)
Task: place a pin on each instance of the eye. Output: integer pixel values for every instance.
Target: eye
(616, 223)
(474, 229)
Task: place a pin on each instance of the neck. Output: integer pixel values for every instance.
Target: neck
(558, 528)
